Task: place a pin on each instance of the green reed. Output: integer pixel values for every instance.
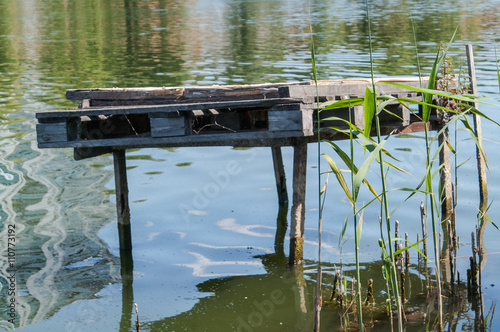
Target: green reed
(321, 194)
(374, 105)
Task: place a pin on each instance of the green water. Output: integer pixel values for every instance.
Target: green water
(209, 256)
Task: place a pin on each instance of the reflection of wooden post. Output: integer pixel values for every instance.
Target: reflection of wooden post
(281, 225)
(279, 173)
(298, 207)
(127, 273)
(122, 208)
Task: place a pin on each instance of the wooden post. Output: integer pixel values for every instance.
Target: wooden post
(279, 173)
(481, 164)
(298, 207)
(122, 207)
(445, 176)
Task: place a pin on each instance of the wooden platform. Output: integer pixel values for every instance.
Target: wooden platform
(274, 115)
(246, 115)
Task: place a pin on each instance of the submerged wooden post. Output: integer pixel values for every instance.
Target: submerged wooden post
(298, 207)
(279, 173)
(122, 207)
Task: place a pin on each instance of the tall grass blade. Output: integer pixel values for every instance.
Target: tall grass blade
(350, 164)
(317, 298)
(427, 97)
(363, 170)
(369, 109)
(472, 133)
(340, 177)
(412, 245)
(335, 104)
(359, 229)
(342, 234)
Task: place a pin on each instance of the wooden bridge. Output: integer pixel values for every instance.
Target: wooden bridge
(270, 115)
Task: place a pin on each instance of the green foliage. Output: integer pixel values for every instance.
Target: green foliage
(369, 109)
(375, 152)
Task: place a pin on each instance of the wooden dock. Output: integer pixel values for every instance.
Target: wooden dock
(270, 115)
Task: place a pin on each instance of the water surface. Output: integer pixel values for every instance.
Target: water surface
(204, 255)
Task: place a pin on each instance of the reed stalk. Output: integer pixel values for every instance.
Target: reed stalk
(357, 232)
(321, 192)
(430, 194)
(384, 202)
(137, 322)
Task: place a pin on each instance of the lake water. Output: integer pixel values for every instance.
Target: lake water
(209, 262)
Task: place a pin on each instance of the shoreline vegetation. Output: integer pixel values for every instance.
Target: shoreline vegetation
(449, 99)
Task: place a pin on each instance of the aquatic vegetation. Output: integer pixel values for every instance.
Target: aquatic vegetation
(444, 102)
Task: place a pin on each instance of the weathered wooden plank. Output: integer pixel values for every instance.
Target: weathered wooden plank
(165, 127)
(125, 93)
(259, 138)
(124, 110)
(348, 88)
(51, 132)
(263, 138)
(224, 92)
(221, 92)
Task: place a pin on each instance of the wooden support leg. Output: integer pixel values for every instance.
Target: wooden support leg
(445, 177)
(122, 207)
(279, 173)
(446, 200)
(298, 207)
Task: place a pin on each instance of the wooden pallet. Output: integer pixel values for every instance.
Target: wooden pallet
(250, 115)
